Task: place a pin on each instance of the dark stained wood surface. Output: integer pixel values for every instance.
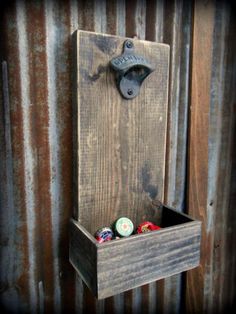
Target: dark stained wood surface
(120, 265)
(121, 143)
(129, 264)
(83, 255)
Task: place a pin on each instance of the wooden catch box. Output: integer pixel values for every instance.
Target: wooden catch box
(115, 266)
(119, 154)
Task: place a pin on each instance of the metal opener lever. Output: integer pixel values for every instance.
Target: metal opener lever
(131, 70)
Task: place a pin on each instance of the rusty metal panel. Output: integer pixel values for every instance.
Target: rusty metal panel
(36, 148)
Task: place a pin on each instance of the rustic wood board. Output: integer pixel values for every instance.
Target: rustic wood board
(198, 164)
(120, 144)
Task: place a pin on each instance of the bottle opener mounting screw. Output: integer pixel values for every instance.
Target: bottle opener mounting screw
(129, 44)
(130, 91)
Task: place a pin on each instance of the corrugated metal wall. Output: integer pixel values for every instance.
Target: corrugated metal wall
(36, 150)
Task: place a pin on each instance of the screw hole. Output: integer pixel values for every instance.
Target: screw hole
(129, 44)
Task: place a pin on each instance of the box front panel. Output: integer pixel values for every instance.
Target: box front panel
(140, 260)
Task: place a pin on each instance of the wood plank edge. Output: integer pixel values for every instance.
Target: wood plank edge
(143, 236)
(84, 231)
(75, 125)
(107, 295)
(80, 31)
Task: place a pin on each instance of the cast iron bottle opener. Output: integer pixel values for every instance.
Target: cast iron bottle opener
(131, 70)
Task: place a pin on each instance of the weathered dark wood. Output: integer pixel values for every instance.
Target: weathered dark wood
(120, 169)
(83, 254)
(124, 264)
(145, 260)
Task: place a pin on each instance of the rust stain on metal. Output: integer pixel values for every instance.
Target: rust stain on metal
(39, 123)
(19, 234)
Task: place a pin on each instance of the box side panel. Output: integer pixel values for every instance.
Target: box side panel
(159, 254)
(83, 256)
(171, 217)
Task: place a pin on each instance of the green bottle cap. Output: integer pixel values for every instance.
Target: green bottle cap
(124, 227)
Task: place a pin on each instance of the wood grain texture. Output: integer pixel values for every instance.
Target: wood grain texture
(211, 171)
(83, 255)
(196, 292)
(120, 170)
(127, 263)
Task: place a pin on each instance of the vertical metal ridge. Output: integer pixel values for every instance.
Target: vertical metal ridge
(130, 22)
(136, 19)
(154, 20)
(40, 130)
(159, 21)
(177, 33)
(140, 19)
(120, 20)
(55, 178)
(171, 37)
(137, 298)
(74, 18)
(11, 299)
(41, 308)
(86, 14)
(100, 17)
(7, 208)
(111, 13)
(28, 153)
(59, 49)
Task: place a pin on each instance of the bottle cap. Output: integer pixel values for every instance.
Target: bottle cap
(147, 226)
(124, 227)
(104, 234)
